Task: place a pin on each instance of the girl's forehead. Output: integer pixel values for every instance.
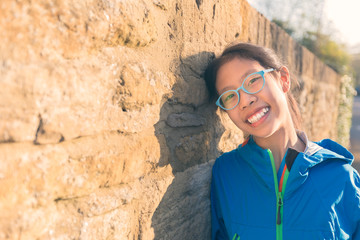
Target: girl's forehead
(235, 70)
(239, 65)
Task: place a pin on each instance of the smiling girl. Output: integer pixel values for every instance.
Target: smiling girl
(277, 184)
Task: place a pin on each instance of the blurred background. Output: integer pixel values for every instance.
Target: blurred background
(328, 28)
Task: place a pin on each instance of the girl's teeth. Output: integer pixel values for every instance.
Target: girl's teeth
(259, 115)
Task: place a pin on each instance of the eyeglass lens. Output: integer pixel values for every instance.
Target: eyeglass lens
(252, 84)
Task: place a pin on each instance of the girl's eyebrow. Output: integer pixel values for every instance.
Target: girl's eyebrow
(248, 73)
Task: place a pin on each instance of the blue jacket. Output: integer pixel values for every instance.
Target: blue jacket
(317, 195)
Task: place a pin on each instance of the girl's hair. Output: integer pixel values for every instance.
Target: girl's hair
(264, 56)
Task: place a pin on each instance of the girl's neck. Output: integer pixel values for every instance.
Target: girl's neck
(279, 142)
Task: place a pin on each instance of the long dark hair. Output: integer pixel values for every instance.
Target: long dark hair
(264, 56)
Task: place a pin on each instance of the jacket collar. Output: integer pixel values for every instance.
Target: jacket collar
(310, 147)
(314, 153)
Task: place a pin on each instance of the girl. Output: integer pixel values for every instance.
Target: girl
(277, 184)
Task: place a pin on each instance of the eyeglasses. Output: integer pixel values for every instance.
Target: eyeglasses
(252, 84)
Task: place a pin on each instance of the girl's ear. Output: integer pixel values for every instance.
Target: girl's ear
(285, 79)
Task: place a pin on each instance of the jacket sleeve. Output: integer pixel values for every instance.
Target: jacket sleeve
(353, 191)
(218, 231)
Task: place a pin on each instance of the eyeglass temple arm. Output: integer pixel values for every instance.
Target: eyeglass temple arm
(268, 70)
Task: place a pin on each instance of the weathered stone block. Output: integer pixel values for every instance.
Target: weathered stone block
(192, 150)
(188, 197)
(190, 92)
(131, 24)
(185, 120)
(137, 86)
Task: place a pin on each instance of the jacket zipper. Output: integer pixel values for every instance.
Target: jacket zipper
(279, 191)
(236, 237)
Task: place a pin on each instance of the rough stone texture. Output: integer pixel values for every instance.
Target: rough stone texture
(185, 120)
(105, 129)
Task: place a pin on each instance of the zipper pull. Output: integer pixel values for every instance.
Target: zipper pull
(280, 203)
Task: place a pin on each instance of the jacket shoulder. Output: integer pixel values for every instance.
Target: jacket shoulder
(335, 177)
(331, 149)
(225, 160)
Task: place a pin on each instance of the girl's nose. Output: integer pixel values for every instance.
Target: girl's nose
(246, 99)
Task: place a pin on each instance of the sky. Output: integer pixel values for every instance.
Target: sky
(345, 16)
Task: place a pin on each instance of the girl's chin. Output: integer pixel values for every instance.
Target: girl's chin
(262, 133)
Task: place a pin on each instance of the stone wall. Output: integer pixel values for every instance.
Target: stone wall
(105, 129)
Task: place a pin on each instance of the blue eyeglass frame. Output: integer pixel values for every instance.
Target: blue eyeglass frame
(262, 73)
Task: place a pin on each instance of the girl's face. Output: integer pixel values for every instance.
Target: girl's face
(263, 113)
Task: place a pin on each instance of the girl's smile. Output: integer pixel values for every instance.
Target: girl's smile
(258, 117)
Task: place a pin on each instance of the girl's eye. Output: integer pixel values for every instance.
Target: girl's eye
(253, 80)
(230, 96)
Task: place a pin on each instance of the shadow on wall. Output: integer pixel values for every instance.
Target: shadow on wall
(188, 132)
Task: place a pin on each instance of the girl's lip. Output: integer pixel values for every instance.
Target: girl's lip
(261, 120)
(258, 110)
